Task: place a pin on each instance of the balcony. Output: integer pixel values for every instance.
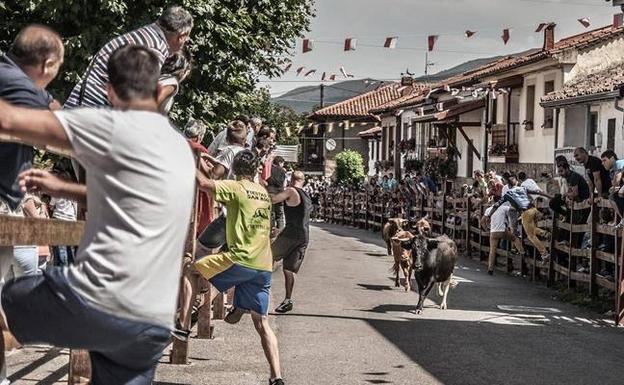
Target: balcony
(504, 148)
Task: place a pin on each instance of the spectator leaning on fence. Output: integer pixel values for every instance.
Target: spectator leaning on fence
(119, 298)
(615, 167)
(597, 175)
(167, 35)
(500, 222)
(32, 62)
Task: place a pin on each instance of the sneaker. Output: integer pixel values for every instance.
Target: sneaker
(277, 381)
(284, 307)
(234, 315)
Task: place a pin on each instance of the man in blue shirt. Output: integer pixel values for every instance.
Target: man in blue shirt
(615, 167)
(31, 63)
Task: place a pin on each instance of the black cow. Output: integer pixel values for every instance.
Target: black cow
(434, 261)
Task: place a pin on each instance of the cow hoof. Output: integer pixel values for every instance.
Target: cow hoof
(396, 284)
(443, 306)
(407, 289)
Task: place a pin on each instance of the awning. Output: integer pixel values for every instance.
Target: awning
(459, 109)
(370, 133)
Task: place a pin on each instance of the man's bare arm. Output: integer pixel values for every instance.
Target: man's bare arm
(282, 196)
(34, 180)
(205, 184)
(36, 127)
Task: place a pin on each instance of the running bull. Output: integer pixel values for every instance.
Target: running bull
(434, 260)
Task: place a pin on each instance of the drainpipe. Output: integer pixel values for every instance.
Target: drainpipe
(557, 111)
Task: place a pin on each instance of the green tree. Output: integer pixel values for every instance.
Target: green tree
(349, 167)
(234, 42)
(285, 120)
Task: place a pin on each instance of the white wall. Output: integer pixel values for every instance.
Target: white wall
(598, 58)
(606, 111)
(537, 145)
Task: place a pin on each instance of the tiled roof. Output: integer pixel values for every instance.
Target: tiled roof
(359, 106)
(593, 83)
(580, 41)
(417, 94)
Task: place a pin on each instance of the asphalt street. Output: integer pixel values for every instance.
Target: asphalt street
(350, 325)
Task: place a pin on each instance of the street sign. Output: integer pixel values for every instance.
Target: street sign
(330, 144)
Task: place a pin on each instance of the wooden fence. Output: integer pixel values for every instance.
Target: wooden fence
(597, 244)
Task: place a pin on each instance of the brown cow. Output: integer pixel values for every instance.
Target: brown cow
(390, 229)
(402, 253)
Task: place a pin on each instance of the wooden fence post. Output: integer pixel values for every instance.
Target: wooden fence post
(593, 262)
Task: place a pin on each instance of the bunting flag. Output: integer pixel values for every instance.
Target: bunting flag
(346, 125)
(299, 70)
(391, 42)
(454, 92)
(432, 40)
(470, 33)
(330, 127)
(440, 106)
(310, 72)
(323, 77)
(315, 129)
(308, 45)
(285, 69)
(287, 129)
(447, 88)
(332, 78)
(505, 35)
(541, 27)
(350, 44)
(585, 22)
(344, 72)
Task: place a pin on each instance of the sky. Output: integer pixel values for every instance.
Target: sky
(371, 21)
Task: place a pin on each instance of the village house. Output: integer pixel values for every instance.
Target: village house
(345, 125)
(588, 105)
(494, 117)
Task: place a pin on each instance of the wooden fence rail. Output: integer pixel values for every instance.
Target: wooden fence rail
(595, 245)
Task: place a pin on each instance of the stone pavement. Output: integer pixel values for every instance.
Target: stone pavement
(351, 326)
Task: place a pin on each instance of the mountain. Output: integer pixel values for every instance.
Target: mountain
(305, 99)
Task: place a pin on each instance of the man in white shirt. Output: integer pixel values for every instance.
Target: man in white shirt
(119, 298)
(499, 229)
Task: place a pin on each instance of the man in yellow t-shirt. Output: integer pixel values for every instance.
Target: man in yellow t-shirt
(248, 263)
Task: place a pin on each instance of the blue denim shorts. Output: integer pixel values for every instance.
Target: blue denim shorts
(45, 309)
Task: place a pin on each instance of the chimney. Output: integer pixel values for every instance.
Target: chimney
(549, 36)
(618, 20)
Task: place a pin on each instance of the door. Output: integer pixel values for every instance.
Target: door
(611, 134)
(469, 160)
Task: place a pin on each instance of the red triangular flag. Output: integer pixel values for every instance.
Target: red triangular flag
(470, 33)
(391, 42)
(332, 78)
(432, 40)
(299, 70)
(310, 72)
(350, 44)
(541, 27)
(308, 44)
(285, 69)
(585, 22)
(323, 77)
(505, 36)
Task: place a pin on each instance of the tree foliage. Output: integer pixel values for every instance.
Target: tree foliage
(234, 42)
(349, 167)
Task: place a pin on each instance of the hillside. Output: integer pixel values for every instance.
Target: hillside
(305, 99)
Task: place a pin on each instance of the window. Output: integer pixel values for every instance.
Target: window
(611, 134)
(494, 111)
(549, 113)
(593, 128)
(530, 108)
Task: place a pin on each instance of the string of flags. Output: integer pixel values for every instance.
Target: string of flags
(350, 43)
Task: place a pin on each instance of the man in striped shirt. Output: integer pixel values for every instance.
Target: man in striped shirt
(166, 36)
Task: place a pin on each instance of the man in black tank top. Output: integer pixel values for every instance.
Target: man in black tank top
(292, 242)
